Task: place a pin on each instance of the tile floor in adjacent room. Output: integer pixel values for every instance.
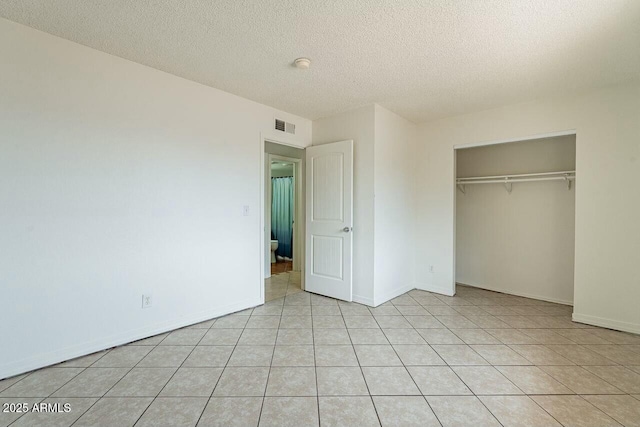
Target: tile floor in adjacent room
(477, 359)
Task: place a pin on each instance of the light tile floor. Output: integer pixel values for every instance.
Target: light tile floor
(282, 284)
(479, 358)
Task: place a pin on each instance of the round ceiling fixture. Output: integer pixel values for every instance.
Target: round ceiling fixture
(302, 63)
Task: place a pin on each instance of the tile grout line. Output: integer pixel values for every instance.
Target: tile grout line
(529, 395)
(449, 366)
(478, 398)
(176, 371)
(57, 389)
(224, 368)
(98, 399)
(360, 365)
(39, 400)
(458, 376)
(71, 379)
(315, 362)
(525, 394)
(407, 369)
(266, 384)
(117, 382)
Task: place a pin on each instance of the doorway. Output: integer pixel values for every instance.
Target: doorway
(321, 243)
(283, 206)
(283, 214)
(515, 216)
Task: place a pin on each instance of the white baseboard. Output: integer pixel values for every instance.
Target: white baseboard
(387, 296)
(363, 300)
(435, 289)
(83, 349)
(606, 323)
(519, 294)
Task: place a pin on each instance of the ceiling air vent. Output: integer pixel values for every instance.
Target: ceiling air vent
(283, 126)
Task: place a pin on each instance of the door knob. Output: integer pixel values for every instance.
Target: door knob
(347, 229)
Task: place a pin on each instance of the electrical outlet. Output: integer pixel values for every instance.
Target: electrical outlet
(147, 300)
(431, 269)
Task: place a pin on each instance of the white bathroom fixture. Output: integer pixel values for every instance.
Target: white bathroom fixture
(274, 248)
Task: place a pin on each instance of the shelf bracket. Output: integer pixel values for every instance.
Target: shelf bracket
(461, 188)
(507, 185)
(566, 177)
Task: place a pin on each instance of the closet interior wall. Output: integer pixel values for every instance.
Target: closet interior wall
(522, 242)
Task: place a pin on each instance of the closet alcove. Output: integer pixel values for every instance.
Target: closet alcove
(515, 217)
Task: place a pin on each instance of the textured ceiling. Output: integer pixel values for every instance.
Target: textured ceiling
(422, 59)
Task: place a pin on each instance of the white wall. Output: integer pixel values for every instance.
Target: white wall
(520, 243)
(115, 180)
(357, 125)
(395, 187)
(384, 207)
(530, 156)
(607, 122)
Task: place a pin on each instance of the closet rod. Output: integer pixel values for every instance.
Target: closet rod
(508, 180)
(517, 175)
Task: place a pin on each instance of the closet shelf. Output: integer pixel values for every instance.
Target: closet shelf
(507, 180)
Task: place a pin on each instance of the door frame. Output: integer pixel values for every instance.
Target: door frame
(300, 221)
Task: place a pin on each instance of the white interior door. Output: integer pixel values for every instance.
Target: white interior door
(329, 215)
